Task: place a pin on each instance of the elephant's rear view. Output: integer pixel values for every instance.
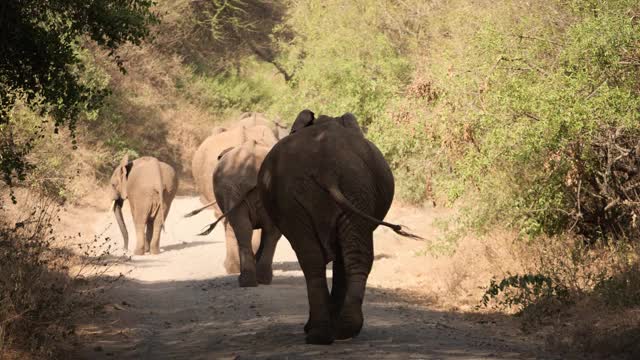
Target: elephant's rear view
(327, 188)
(150, 186)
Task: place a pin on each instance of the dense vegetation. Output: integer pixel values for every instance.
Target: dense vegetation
(523, 115)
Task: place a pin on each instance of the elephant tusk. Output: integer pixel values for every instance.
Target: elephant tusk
(113, 205)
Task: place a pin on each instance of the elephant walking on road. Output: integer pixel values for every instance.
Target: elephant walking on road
(204, 163)
(327, 188)
(150, 186)
(249, 119)
(235, 177)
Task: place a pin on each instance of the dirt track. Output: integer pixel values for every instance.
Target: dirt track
(180, 304)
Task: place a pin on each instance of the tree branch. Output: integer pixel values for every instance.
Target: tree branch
(270, 59)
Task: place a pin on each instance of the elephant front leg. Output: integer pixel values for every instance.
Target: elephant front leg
(268, 241)
(243, 231)
(232, 258)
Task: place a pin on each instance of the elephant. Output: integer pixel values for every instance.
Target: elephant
(235, 175)
(249, 119)
(150, 186)
(326, 188)
(205, 158)
(203, 165)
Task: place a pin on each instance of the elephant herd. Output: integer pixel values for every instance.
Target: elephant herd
(324, 186)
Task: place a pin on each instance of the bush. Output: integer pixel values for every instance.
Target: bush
(35, 289)
(341, 61)
(535, 121)
(41, 292)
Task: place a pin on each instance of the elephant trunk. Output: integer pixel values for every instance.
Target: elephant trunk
(117, 211)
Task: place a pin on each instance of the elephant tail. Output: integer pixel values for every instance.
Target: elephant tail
(198, 211)
(342, 200)
(212, 226)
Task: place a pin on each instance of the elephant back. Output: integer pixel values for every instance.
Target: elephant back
(333, 155)
(206, 157)
(250, 119)
(237, 171)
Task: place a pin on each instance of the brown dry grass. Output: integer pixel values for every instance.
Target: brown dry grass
(600, 313)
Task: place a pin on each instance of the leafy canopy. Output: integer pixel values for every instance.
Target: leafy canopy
(40, 63)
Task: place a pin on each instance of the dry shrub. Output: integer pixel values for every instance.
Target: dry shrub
(41, 286)
(579, 295)
(35, 302)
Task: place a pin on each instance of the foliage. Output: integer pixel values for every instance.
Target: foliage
(41, 291)
(533, 119)
(341, 61)
(40, 61)
(520, 291)
(218, 35)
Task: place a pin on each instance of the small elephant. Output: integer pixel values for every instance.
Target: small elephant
(326, 187)
(235, 177)
(204, 163)
(150, 186)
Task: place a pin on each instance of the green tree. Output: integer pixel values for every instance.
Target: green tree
(41, 67)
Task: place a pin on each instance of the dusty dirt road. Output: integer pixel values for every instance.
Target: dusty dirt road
(180, 304)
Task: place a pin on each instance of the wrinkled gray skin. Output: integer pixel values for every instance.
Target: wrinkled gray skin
(204, 163)
(235, 176)
(150, 186)
(326, 188)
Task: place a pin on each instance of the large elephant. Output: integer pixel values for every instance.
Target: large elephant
(249, 119)
(235, 178)
(203, 165)
(326, 187)
(205, 158)
(150, 186)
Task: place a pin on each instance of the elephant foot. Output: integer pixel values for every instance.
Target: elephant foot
(265, 275)
(154, 251)
(247, 280)
(348, 324)
(232, 267)
(307, 326)
(319, 334)
(138, 251)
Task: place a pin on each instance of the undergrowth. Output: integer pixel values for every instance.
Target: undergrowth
(43, 287)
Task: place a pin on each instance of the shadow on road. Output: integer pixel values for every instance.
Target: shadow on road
(214, 319)
(186, 245)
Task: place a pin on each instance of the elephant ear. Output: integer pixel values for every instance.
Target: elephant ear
(349, 121)
(304, 119)
(125, 168)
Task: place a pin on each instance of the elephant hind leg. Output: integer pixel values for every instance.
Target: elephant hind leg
(338, 284)
(357, 254)
(243, 229)
(302, 236)
(268, 241)
(147, 235)
(140, 236)
(232, 258)
(156, 227)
